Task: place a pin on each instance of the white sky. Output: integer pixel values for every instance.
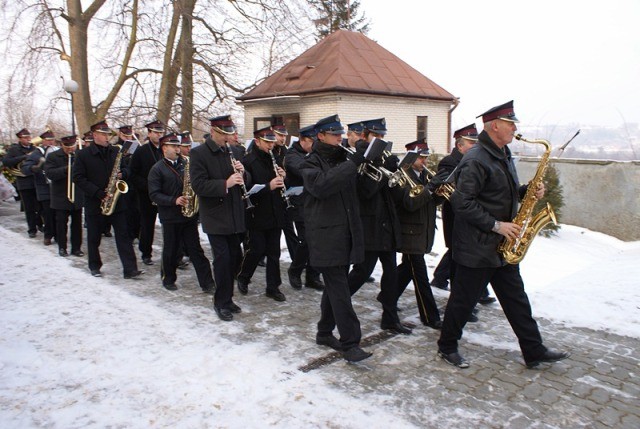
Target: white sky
(563, 62)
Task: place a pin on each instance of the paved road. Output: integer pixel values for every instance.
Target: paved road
(597, 387)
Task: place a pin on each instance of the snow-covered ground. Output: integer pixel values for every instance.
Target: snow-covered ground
(76, 351)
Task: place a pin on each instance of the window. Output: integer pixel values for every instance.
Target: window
(422, 127)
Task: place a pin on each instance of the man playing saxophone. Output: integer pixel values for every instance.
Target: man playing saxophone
(166, 183)
(484, 202)
(92, 170)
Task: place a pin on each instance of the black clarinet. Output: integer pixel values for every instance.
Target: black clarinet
(245, 194)
(284, 195)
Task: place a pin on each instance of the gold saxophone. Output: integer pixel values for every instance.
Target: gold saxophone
(193, 205)
(114, 188)
(513, 251)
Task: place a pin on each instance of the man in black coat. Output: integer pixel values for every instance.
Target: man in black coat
(334, 234)
(417, 214)
(141, 162)
(265, 221)
(217, 177)
(296, 156)
(125, 133)
(56, 167)
(92, 171)
(485, 201)
(26, 186)
(166, 185)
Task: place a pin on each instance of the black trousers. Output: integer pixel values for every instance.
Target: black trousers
(300, 260)
(49, 218)
(413, 268)
(388, 296)
(336, 308)
(31, 209)
(467, 287)
(263, 242)
(62, 219)
(133, 214)
(148, 215)
(442, 273)
(291, 236)
(227, 257)
(174, 235)
(124, 244)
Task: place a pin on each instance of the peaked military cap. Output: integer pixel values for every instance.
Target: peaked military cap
(156, 126)
(265, 134)
(185, 138)
(170, 138)
(280, 129)
(469, 133)
(504, 111)
(101, 127)
(88, 136)
(223, 124)
(308, 131)
(127, 130)
(420, 146)
(23, 133)
(356, 127)
(47, 135)
(69, 140)
(378, 126)
(330, 125)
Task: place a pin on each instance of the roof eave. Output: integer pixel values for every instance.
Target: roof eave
(318, 91)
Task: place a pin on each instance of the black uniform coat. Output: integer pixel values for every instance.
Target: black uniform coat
(269, 204)
(55, 168)
(331, 212)
(417, 217)
(15, 155)
(141, 162)
(222, 210)
(486, 191)
(33, 167)
(91, 172)
(165, 184)
(294, 160)
(445, 168)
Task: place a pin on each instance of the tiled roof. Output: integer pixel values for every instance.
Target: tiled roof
(348, 61)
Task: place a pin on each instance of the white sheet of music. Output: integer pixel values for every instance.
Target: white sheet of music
(255, 189)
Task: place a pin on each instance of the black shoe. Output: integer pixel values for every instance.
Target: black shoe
(96, 273)
(63, 252)
(32, 235)
(78, 253)
(147, 261)
(548, 356)
(234, 308)
(314, 283)
(276, 295)
(473, 318)
(223, 313)
(183, 264)
(435, 325)
(133, 274)
(262, 262)
(355, 354)
(329, 341)
(294, 279)
(486, 300)
(171, 286)
(108, 234)
(47, 241)
(210, 290)
(396, 327)
(454, 359)
(442, 286)
(370, 280)
(243, 287)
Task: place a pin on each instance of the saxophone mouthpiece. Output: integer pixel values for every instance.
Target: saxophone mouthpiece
(518, 136)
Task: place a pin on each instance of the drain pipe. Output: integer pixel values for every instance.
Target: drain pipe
(456, 101)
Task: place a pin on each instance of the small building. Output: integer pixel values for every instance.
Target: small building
(351, 75)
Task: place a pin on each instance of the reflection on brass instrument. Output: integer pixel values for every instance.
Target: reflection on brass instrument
(115, 187)
(445, 190)
(245, 194)
(284, 195)
(402, 178)
(513, 251)
(373, 172)
(193, 204)
(71, 187)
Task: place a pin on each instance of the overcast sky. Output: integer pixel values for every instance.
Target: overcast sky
(563, 62)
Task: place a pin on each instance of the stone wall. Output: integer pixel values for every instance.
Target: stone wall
(602, 196)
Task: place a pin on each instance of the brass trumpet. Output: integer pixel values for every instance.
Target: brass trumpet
(402, 178)
(373, 172)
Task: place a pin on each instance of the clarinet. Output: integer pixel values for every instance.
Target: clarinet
(245, 194)
(284, 195)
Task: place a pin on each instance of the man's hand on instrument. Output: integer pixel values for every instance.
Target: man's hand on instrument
(508, 229)
(234, 179)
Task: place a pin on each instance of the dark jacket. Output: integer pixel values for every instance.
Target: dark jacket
(56, 169)
(417, 217)
(331, 212)
(33, 166)
(222, 210)
(295, 158)
(445, 168)
(486, 190)
(165, 186)
(269, 204)
(141, 162)
(15, 155)
(91, 173)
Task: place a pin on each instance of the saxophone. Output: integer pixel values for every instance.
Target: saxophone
(513, 251)
(187, 191)
(114, 188)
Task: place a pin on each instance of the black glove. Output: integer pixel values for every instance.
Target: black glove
(357, 158)
(391, 163)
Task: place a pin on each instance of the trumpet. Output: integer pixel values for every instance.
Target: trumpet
(374, 173)
(245, 194)
(284, 195)
(402, 178)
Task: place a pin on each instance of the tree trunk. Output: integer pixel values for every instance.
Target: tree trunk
(186, 114)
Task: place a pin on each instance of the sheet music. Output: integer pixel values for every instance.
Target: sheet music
(294, 190)
(255, 189)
